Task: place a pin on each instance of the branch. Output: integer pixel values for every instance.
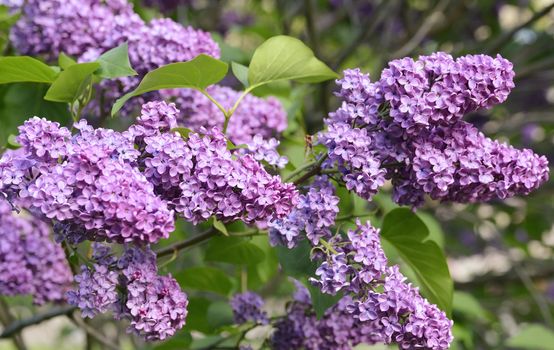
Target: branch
(93, 332)
(504, 39)
(17, 326)
(187, 243)
(425, 28)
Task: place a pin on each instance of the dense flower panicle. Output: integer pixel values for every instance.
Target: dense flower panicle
(92, 189)
(131, 287)
(315, 213)
(378, 306)
(254, 115)
(265, 150)
(247, 307)
(96, 291)
(30, 263)
(407, 127)
(351, 150)
(202, 178)
(74, 27)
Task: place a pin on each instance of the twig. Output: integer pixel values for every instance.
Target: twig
(187, 243)
(504, 39)
(424, 29)
(93, 332)
(6, 318)
(371, 24)
(309, 8)
(17, 326)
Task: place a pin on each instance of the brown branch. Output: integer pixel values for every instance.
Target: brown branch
(187, 243)
(17, 326)
(504, 39)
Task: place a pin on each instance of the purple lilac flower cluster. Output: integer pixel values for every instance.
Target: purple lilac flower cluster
(247, 307)
(378, 306)
(254, 116)
(315, 213)
(408, 128)
(30, 263)
(131, 287)
(336, 330)
(85, 183)
(202, 178)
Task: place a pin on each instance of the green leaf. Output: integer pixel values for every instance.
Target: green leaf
(197, 317)
(533, 337)
(184, 132)
(241, 73)
(321, 301)
(12, 142)
(218, 225)
(71, 83)
(205, 278)
(181, 340)
(219, 314)
(467, 304)
(408, 234)
(64, 61)
(22, 69)
(198, 73)
(286, 58)
(234, 250)
(115, 63)
(296, 262)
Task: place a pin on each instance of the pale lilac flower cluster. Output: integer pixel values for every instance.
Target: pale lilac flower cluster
(30, 262)
(86, 29)
(315, 213)
(265, 150)
(87, 184)
(254, 115)
(202, 178)
(408, 128)
(131, 287)
(247, 307)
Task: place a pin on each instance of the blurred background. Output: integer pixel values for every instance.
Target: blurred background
(500, 253)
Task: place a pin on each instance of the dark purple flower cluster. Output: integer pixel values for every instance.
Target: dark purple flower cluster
(30, 263)
(202, 178)
(131, 287)
(407, 127)
(378, 306)
(254, 116)
(86, 183)
(247, 307)
(315, 213)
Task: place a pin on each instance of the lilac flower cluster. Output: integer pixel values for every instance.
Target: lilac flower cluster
(254, 115)
(315, 213)
(336, 330)
(265, 150)
(85, 183)
(30, 263)
(202, 178)
(407, 127)
(247, 307)
(154, 305)
(378, 306)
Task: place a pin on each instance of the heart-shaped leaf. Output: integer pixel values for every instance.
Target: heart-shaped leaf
(286, 58)
(115, 63)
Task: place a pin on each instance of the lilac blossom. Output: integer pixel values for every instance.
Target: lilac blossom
(247, 307)
(30, 262)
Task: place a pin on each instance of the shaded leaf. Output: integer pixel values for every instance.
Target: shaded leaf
(408, 234)
(240, 72)
(205, 278)
(234, 250)
(533, 337)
